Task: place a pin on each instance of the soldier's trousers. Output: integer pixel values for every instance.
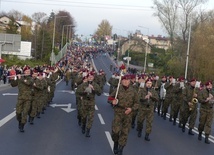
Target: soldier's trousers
(176, 108)
(87, 115)
(79, 104)
(22, 110)
(191, 115)
(145, 112)
(34, 106)
(166, 105)
(205, 120)
(120, 127)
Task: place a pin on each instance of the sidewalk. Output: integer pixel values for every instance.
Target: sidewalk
(4, 85)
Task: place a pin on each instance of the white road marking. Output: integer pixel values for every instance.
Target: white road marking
(101, 119)
(7, 118)
(108, 135)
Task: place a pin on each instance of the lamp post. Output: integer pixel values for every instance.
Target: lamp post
(187, 58)
(63, 33)
(52, 52)
(129, 34)
(147, 47)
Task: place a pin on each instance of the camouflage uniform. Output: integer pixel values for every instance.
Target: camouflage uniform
(67, 76)
(37, 93)
(53, 79)
(206, 114)
(168, 100)
(178, 100)
(127, 98)
(186, 112)
(146, 110)
(88, 103)
(24, 99)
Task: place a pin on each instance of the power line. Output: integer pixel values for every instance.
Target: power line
(86, 5)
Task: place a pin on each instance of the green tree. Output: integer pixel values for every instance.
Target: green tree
(104, 29)
(26, 28)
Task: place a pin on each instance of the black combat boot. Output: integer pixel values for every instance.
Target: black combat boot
(31, 120)
(133, 123)
(115, 149)
(164, 116)
(139, 134)
(83, 129)
(179, 125)
(170, 118)
(79, 120)
(207, 139)
(120, 150)
(147, 137)
(38, 115)
(21, 127)
(190, 132)
(174, 121)
(200, 136)
(183, 128)
(87, 133)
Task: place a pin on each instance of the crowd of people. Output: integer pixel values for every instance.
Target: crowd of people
(134, 97)
(162, 95)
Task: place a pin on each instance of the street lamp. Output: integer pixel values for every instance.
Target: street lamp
(129, 34)
(147, 46)
(63, 33)
(187, 58)
(52, 52)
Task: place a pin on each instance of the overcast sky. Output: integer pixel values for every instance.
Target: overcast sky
(123, 15)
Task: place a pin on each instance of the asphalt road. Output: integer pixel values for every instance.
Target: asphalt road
(57, 131)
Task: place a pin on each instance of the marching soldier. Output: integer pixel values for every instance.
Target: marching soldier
(24, 84)
(162, 94)
(205, 98)
(169, 97)
(37, 93)
(147, 97)
(124, 103)
(189, 106)
(88, 90)
(178, 99)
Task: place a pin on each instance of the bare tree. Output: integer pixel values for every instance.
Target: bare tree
(187, 10)
(166, 11)
(174, 16)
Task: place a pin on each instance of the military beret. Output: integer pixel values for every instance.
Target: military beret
(148, 80)
(208, 83)
(193, 80)
(126, 77)
(26, 68)
(181, 78)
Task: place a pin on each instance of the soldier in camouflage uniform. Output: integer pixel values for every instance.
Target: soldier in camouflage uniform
(178, 99)
(113, 81)
(205, 97)
(44, 96)
(88, 90)
(125, 102)
(168, 98)
(37, 93)
(67, 76)
(162, 94)
(24, 84)
(74, 74)
(147, 97)
(189, 108)
(79, 100)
